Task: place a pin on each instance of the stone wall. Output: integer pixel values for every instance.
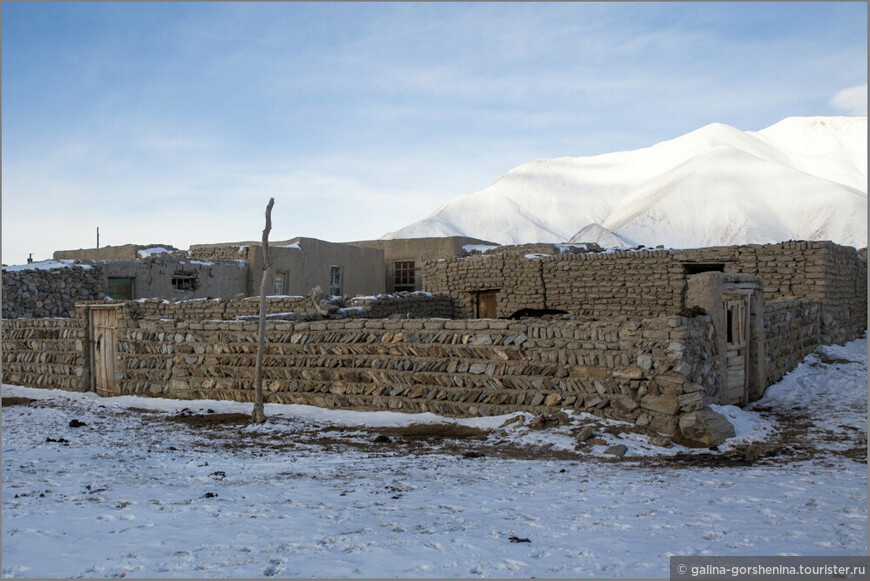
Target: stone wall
(645, 283)
(213, 252)
(50, 353)
(650, 372)
(49, 292)
(599, 285)
(792, 332)
(410, 305)
(416, 305)
(844, 306)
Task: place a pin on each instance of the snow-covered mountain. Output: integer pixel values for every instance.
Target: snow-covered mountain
(804, 178)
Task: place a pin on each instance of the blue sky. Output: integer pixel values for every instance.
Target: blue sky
(174, 123)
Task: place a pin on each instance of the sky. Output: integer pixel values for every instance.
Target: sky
(174, 123)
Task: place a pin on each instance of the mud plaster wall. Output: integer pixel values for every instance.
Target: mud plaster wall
(49, 353)
(791, 333)
(649, 372)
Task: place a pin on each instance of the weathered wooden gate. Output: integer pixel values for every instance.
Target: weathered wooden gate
(103, 333)
(487, 304)
(737, 349)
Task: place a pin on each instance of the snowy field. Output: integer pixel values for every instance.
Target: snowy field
(147, 488)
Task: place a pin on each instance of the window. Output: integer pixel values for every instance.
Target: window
(403, 276)
(183, 283)
(279, 283)
(335, 282)
(121, 289)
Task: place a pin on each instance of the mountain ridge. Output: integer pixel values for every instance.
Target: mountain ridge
(801, 178)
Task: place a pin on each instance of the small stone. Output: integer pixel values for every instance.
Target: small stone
(518, 419)
(553, 399)
(662, 441)
(628, 373)
(537, 422)
(664, 404)
(585, 433)
(705, 428)
(623, 403)
(618, 450)
(644, 362)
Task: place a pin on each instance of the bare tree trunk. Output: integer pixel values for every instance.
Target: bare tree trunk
(258, 416)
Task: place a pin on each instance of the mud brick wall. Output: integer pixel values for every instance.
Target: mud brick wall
(50, 353)
(417, 305)
(637, 284)
(652, 282)
(834, 275)
(37, 293)
(217, 252)
(648, 372)
(792, 332)
(518, 279)
(844, 306)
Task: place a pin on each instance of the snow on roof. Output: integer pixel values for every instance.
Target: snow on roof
(152, 251)
(482, 248)
(46, 265)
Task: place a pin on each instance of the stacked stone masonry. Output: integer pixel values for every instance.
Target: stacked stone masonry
(410, 305)
(647, 283)
(792, 332)
(49, 353)
(649, 372)
(38, 293)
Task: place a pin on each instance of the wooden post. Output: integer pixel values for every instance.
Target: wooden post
(258, 416)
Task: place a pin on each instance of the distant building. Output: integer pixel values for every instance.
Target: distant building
(404, 257)
(226, 270)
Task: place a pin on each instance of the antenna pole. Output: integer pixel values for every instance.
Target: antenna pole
(98, 236)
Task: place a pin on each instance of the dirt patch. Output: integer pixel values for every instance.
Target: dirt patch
(197, 420)
(433, 432)
(10, 401)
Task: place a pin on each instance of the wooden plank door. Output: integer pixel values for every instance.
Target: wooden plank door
(104, 325)
(737, 349)
(487, 305)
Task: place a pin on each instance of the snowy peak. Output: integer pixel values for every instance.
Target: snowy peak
(802, 178)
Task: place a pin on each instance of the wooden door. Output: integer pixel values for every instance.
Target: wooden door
(104, 325)
(737, 349)
(487, 305)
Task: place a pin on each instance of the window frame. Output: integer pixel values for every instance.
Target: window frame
(336, 283)
(404, 276)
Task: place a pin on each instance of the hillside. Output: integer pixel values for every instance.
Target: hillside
(802, 178)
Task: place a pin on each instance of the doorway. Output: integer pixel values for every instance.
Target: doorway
(486, 304)
(104, 335)
(736, 349)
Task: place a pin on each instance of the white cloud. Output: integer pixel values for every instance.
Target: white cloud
(852, 101)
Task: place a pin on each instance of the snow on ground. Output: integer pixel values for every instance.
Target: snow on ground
(143, 491)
